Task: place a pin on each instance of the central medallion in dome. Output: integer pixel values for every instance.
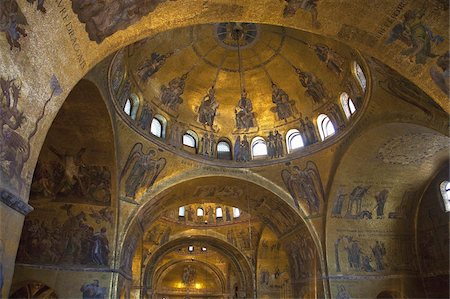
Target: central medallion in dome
(254, 90)
(232, 35)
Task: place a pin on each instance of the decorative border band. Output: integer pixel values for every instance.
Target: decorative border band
(15, 202)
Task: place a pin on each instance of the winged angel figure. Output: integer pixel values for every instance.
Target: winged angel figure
(305, 186)
(141, 170)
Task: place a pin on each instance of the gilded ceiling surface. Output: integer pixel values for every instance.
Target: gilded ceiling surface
(237, 78)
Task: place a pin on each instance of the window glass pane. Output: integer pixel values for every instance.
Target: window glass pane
(259, 147)
(190, 248)
(219, 213)
(127, 108)
(188, 140)
(360, 75)
(329, 128)
(156, 128)
(326, 127)
(294, 140)
(181, 211)
(236, 213)
(199, 212)
(223, 147)
(445, 192)
(351, 106)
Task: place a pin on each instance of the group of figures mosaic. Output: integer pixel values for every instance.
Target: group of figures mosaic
(70, 179)
(359, 258)
(355, 208)
(74, 241)
(208, 145)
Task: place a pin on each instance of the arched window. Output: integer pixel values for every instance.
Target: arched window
(259, 147)
(219, 213)
(348, 105)
(127, 107)
(131, 106)
(326, 127)
(200, 212)
(223, 150)
(190, 139)
(294, 140)
(158, 126)
(357, 69)
(181, 212)
(445, 191)
(236, 213)
(191, 248)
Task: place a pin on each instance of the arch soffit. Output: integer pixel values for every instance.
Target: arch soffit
(161, 271)
(234, 254)
(163, 188)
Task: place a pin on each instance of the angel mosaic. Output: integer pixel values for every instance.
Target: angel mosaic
(152, 65)
(141, 170)
(171, 95)
(307, 5)
(208, 108)
(334, 61)
(284, 106)
(416, 36)
(314, 86)
(305, 186)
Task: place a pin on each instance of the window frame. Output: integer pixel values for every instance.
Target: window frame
(256, 141)
(290, 135)
(322, 126)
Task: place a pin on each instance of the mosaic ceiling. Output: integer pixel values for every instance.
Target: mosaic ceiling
(237, 78)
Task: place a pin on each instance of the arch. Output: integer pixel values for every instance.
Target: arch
(325, 126)
(158, 126)
(280, 208)
(347, 105)
(294, 140)
(224, 150)
(258, 147)
(237, 258)
(212, 269)
(33, 290)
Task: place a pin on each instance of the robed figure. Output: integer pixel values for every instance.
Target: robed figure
(245, 117)
(305, 186)
(208, 108)
(141, 170)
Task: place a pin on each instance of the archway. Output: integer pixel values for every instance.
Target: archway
(272, 212)
(33, 290)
